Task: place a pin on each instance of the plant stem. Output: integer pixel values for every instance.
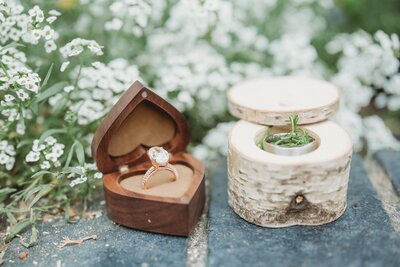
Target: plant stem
(296, 136)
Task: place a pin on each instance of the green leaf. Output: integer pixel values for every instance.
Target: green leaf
(11, 217)
(53, 90)
(40, 174)
(60, 105)
(4, 192)
(30, 192)
(45, 189)
(16, 229)
(67, 211)
(80, 153)
(13, 44)
(23, 143)
(70, 154)
(33, 239)
(49, 133)
(46, 79)
(4, 175)
(72, 170)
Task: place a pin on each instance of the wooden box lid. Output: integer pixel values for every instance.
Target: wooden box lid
(270, 101)
(139, 120)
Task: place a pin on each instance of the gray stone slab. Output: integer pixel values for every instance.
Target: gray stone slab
(115, 246)
(363, 236)
(390, 161)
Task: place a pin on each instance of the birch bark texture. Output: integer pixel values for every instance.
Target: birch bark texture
(278, 191)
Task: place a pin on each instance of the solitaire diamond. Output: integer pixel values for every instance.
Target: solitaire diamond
(159, 155)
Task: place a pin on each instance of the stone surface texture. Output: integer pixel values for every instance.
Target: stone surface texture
(390, 161)
(115, 246)
(363, 236)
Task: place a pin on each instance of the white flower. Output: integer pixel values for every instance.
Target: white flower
(3, 158)
(49, 152)
(78, 180)
(201, 152)
(95, 48)
(54, 13)
(36, 147)
(9, 98)
(50, 140)
(98, 88)
(113, 25)
(36, 14)
(10, 163)
(47, 32)
(69, 88)
(50, 46)
(36, 34)
(216, 139)
(378, 135)
(14, 34)
(3, 144)
(22, 95)
(7, 153)
(58, 149)
(64, 65)
(20, 129)
(51, 19)
(142, 11)
(32, 156)
(98, 175)
(393, 103)
(31, 86)
(45, 165)
(77, 46)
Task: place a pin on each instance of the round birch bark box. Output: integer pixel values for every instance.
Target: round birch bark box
(273, 185)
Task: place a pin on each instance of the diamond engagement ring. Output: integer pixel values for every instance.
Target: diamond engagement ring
(160, 160)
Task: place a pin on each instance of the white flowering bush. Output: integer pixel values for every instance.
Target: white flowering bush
(65, 63)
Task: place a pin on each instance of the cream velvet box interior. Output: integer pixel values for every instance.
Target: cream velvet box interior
(274, 190)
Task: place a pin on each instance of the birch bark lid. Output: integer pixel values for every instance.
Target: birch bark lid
(270, 100)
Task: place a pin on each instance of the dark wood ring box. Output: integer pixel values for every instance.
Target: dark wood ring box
(139, 120)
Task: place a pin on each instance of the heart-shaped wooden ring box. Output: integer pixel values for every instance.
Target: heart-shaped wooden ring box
(139, 120)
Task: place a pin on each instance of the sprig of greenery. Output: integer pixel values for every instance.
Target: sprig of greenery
(296, 137)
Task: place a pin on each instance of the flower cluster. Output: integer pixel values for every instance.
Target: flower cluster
(18, 85)
(195, 80)
(141, 10)
(369, 69)
(7, 155)
(377, 135)
(47, 154)
(97, 89)
(368, 64)
(76, 47)
(30, 27)
(82, 174)
(214, 143)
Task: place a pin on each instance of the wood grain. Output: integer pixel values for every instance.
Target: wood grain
(139, 120)
(166, 215)
(270, 100)
(135, 95)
